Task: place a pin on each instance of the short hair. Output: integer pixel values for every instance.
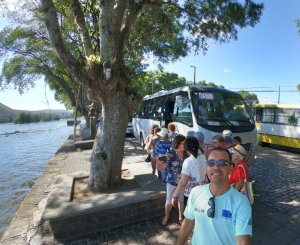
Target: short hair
(238, 138)
(228, 140)
(219, 138)
(191, 144)
(221, 149)
(179, 138)
(152, 128)
(171, 127)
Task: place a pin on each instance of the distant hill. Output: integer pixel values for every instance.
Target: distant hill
(8, 115)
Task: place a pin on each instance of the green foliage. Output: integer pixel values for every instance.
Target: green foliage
(210, 84)
(298, 87)
(152, 82)
(248, 96)
(25, 117)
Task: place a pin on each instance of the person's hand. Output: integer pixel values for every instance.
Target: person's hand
(160, 165)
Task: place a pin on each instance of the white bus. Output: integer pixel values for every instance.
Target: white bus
(278, 124)
(206, 109)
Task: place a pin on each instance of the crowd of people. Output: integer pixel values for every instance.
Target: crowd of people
(204, 183)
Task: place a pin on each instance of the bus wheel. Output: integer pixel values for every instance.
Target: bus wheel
(142, 141)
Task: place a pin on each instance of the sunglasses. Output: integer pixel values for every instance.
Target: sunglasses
(221, 162)
(211, 210)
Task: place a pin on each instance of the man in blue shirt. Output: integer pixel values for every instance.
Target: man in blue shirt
(217, 212)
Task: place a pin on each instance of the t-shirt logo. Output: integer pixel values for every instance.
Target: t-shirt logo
(226, 214)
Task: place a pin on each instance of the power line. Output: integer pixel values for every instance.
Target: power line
(269, 91)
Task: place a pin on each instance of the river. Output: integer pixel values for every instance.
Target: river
(24, 152)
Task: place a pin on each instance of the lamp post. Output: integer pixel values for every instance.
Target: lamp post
(194, 74)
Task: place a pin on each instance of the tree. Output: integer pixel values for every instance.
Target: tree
(298, 87)
(248, 96)
(210, 84)
(151, 82)
(103, 44)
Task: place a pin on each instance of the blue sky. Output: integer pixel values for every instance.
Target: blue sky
(263, 58)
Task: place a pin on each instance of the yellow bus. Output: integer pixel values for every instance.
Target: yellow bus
(278, 124)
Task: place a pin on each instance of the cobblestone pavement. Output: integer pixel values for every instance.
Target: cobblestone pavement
(277, 180)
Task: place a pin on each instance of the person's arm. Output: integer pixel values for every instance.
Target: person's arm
(180, 188)
(185, 230)
(243, 240)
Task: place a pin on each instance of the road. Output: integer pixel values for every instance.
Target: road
(277, 180)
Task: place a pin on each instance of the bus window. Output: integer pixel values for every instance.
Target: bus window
(220, 109)
(297, 117)
(182, 110)
(268, 115)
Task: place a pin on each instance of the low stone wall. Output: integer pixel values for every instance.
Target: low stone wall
(101, 220)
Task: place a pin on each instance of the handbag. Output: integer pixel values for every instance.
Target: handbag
(148, 158)
(247, 188)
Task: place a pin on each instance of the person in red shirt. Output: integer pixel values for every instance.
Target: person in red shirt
(240, 170)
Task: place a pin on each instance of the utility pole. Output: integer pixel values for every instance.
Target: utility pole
(194, 74)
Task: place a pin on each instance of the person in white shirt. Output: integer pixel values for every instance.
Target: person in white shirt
(193, 170)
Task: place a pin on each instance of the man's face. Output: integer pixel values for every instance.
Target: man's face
(218, 173)
(216, 143)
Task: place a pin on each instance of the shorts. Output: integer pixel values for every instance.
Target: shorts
(170, 191)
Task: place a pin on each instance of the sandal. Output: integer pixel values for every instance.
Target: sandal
(165, 220)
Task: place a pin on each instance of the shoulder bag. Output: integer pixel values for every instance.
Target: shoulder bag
(247, 188)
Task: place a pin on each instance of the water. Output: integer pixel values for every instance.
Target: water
(24, 152)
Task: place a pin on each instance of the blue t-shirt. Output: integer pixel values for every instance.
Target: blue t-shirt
(174, 167)
(233, 216)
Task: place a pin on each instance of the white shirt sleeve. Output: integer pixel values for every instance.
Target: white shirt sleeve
(186, 169)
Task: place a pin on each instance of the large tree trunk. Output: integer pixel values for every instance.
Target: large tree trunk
(108, 149)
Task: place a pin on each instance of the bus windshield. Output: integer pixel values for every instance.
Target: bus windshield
(221, 109)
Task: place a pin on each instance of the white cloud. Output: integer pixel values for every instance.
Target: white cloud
(227, 70)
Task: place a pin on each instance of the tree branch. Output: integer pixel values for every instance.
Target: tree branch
(119, 14)
(133, 11)
(57, 41)
(81, 27)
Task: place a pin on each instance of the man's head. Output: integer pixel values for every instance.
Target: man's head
(219, 166)
(217, 141)
(228, 141)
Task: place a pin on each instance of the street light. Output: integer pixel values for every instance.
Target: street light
(194, 74)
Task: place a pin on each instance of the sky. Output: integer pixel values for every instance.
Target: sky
(265, 57)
